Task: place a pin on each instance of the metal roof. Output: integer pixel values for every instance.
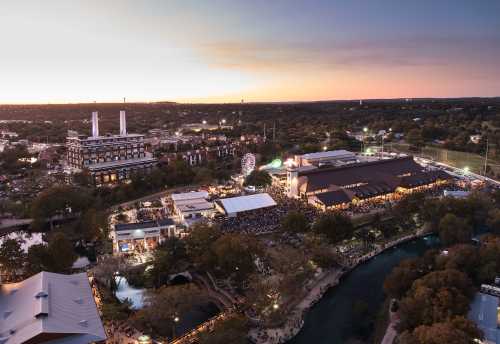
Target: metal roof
(189, 195)
(143, 225)
(50, 303)
(484, 313)
(246, 203)
(341, 153)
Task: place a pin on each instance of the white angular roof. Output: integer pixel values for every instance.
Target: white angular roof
(189, 195)
(49, 303)
(246, 203)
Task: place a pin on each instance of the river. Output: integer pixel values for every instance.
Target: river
(336, 317)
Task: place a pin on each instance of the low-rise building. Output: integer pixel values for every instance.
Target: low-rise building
(50, 308)
(191, 207)
(141, 237)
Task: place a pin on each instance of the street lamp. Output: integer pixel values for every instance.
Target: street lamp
(365, 129)
(223, 121)
(276, 306)
(176, 319)
(204, 122)
(325, 148)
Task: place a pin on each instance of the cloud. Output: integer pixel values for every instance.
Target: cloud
(404, 52)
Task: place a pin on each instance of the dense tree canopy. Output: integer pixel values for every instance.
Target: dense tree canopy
(334, 226)
(258, 179)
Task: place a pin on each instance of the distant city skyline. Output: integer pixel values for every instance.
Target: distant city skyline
(224, 51)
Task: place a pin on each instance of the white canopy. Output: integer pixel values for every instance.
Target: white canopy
(239, 204)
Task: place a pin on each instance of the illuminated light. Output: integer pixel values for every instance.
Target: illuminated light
(365, 129)
(325, 148)
(176, 319)
(144, 339)
(276, 163)
(223, 121)
(204, 122)
(289, 162)
(276, 306)
(466, 169)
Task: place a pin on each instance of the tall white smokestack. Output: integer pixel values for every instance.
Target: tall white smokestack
(95, 124)
(123, 123)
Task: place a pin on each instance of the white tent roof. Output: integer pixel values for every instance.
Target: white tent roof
(50, 303)
(245, 203)
(189, 195)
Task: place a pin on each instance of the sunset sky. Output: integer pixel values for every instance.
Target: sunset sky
(224, 51)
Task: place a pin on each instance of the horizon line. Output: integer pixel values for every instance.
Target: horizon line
(249, 102)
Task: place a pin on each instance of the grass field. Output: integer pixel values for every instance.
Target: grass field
(457, 159)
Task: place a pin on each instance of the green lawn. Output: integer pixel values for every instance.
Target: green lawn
(454, 158)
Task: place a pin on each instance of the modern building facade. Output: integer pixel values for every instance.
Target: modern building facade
(109, 158)
(141, 237)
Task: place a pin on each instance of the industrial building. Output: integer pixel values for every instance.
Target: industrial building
(109, 158)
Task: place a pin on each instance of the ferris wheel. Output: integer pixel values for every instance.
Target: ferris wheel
(247, 164)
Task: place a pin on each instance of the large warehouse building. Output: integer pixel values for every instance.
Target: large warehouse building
(336, 186)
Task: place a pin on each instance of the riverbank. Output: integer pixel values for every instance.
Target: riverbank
(325, 281)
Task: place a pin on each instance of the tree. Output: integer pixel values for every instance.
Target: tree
(494, 220)
(233, 330)
(454, 230)
(12, 258)
(401, 278)
(457, 331)
(37, 259)
(234, 253)
(165, 306)
(435, 297)
(258, 178)
(334, 226)
(62, 254)
(58, 256)
(91, 225)
(168, 258)
(199, 245)
(414, 138)
(295, 222)
(107, 269)
(59, 200)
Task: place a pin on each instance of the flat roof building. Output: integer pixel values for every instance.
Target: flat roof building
(109, 158)
(141, 237)
(191, 207)
(50, 308)
(335, 157)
